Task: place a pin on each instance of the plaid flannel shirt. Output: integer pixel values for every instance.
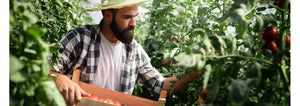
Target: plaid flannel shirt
(81, 51)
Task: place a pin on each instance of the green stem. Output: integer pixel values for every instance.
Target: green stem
(239, 56)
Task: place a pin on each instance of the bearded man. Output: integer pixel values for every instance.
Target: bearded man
(108, 56)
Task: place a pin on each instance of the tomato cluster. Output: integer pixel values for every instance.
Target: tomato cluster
(270, 35)
(108, 101)
(167, 62)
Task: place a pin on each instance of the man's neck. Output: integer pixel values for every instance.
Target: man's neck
(109, 35)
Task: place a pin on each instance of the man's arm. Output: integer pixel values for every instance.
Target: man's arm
(70, 90)
(181, 83)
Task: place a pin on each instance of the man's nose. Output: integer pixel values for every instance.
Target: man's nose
(132, 22)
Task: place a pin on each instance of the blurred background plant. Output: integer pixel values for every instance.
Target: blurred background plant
(34, 31)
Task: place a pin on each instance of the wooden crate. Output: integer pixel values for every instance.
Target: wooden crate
(124, 99)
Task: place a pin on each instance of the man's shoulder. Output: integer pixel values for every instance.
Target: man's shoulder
(84, 33)
(85, 29)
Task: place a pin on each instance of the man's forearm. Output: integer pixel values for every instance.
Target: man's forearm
(181, 83)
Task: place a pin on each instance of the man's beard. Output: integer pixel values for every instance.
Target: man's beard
(122, 35)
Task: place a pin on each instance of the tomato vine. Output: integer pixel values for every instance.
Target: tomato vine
(223, 39)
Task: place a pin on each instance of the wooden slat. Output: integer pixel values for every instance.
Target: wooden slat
(163, 94)
(76, 75)
(125, 99)
(162, 98)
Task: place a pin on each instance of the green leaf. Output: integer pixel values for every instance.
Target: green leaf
(173, 52)
(206, 75)
(59, 3)
(261, 8)
(34, 33)
(283, 68)
(28, 50)
(30, 90)
(200, 64)
(48, 93)
(259, 23)
(239, 90)
(36, 68)
(234, 47)
(29, 17)
(187, 60)
(15, 70)
(214, 86)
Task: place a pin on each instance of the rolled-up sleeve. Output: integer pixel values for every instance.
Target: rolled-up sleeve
(148, 75)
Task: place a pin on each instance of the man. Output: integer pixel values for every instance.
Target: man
(108, 56)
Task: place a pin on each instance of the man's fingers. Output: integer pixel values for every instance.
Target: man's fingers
(77, 96)
(71, 96)
(65, 94)
(84, 94)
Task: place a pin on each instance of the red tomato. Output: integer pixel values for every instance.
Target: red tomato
(175, 38)
(219, 51)
(100, 99)
(287, 41)
(269, 34)
(166, 63)
(117, 103)
(108, 101)
(216, 34)
(94, 97)
(204, 93)
(175, 62)
(271, 46)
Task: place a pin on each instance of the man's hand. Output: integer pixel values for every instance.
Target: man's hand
(70, 90)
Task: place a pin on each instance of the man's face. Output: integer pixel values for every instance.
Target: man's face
(123, 23)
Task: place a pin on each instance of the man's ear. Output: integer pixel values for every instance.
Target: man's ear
(108, 15)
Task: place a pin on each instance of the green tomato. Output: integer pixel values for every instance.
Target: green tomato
(179, 17)
(223, 23)
(181, 10)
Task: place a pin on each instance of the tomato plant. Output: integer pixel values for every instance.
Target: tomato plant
(234, 67)
(34, 31)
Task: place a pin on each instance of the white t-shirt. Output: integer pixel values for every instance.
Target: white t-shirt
(109, 67)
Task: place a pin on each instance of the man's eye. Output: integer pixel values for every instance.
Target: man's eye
(127, 17)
